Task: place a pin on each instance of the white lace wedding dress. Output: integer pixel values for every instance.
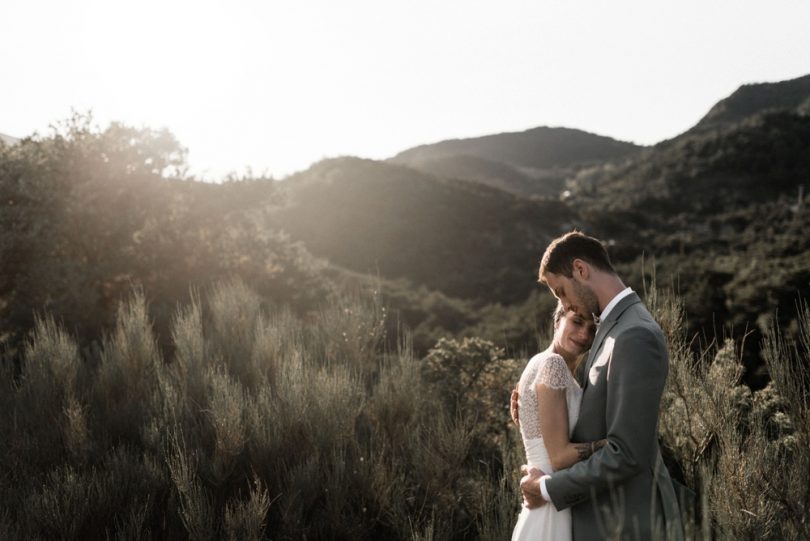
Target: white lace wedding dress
(546, 368)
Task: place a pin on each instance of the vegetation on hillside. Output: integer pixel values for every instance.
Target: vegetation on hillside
(264, 425)
(491, 173)
(461, 238)
(753, 99)
(723, 214)
(88, 214)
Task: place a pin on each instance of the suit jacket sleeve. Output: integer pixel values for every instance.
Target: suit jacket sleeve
(637, 373)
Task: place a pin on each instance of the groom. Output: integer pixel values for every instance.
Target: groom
(623, 490)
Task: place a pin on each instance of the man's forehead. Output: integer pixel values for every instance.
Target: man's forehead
(554, 280)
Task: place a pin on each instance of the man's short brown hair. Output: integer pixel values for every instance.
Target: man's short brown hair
(560, 255)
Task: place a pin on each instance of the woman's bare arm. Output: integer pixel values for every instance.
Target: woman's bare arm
(554, 429)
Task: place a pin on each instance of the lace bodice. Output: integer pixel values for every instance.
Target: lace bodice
(549, 369)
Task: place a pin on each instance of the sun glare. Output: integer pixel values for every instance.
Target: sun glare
(278, 85)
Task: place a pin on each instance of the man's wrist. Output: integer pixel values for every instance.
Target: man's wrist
(543, 489)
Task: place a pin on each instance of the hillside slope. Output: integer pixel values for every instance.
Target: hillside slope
(532, 162)
(723, 213)
(752, 99)
(461, 238)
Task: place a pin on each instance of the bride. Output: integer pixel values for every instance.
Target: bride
(546, 403)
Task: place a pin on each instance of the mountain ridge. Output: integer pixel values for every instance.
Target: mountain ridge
(533, 162)
(755, 98)
(564, 147)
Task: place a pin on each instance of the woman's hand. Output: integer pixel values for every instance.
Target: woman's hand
(513, 406)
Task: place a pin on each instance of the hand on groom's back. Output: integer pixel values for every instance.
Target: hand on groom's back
(530, 487)
(514, 410)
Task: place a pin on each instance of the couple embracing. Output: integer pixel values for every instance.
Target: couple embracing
(594, 468)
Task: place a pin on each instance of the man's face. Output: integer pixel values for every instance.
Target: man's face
(573, 294)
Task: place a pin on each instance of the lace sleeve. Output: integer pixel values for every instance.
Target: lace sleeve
(553, 373)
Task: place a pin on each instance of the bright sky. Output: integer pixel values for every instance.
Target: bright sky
(276, 85)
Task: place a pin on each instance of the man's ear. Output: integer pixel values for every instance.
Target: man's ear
(581, 269)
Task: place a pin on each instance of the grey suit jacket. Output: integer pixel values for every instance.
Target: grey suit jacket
(623, 490)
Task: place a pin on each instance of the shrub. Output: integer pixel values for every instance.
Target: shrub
(260, 424)
(744, 453)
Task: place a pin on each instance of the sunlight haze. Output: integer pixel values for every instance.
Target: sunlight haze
(276, 86)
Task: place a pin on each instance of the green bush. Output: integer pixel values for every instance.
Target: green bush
(260, 424)
(88, 213)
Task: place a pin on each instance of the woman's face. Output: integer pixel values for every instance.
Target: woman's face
(574, 333)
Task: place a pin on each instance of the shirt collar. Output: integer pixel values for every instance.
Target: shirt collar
(614, 301)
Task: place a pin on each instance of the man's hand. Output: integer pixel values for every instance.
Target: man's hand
(530, 487)
(513, 406)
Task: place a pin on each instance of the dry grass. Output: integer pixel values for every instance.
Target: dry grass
(261, 425)
(746, 454)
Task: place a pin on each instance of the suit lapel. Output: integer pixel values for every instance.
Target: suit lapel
(605, 327)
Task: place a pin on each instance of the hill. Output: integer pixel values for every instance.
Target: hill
(532, 162)
(753, 99)
(489, 172)
(723, 213)
(538, 148)
(463, 239)
(719, 211)
(761, 159)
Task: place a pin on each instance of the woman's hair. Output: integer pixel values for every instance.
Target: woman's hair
(559, 313)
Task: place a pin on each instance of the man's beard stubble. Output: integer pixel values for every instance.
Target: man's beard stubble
(589, 304)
